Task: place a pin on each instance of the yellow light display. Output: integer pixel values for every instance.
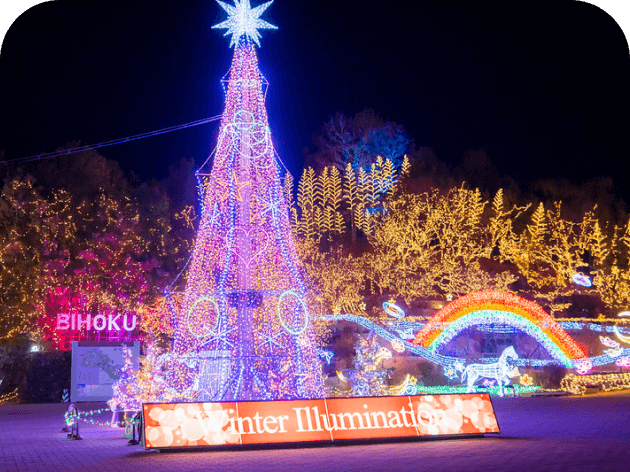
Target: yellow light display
(578, 384)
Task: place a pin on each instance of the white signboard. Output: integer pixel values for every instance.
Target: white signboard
(96, 367)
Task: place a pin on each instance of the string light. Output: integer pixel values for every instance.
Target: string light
(243, 325)
(88, 417)
(7, 397)
(578, 384)
(492, 390)
(488, 308)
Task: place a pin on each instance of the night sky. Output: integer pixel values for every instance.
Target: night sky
(541, 86)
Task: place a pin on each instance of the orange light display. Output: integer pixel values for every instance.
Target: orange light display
(180, 425)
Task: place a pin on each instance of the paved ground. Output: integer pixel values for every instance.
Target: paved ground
(538, 434)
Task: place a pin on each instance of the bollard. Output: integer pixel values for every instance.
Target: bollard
(74, 431)
(135, 422)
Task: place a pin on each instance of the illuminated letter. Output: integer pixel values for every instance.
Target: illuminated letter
(299, 418)
(281, 421)
(367, 417)
(111, 322)
(270, 421)
(240, 425)
(404, 414)
(232, 428)
(86, 322)
(257, 417)
(99, 323)
(319, 425)
(393, 415)
(326, 427)
(333, 419)
(376, 425)
(132, 327)
(63, 321)
(72, 319)
(308, 419)
(349, 416)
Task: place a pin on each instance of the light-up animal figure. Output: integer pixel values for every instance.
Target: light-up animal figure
(497, 370)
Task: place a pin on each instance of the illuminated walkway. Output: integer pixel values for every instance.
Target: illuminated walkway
(538, 434)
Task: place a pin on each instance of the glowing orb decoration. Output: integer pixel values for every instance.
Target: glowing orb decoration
(393, 310)
(583, 366)
(623, 362)
(583, 280)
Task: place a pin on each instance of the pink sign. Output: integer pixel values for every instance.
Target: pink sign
(110, 322)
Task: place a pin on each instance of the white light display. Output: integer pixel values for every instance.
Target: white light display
(498, 371)
(582, 280)
(243, 20)
(393, 310)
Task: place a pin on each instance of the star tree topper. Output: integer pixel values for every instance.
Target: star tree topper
(244, 20)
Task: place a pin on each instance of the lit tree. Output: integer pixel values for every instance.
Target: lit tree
(431, 244)
(338, 276)
(369, 377)
(66, 251)
(244, 325)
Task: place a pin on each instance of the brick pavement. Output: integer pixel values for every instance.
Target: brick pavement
(538, 434)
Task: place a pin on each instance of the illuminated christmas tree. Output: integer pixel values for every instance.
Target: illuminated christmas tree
(244, 324)
(369, 377)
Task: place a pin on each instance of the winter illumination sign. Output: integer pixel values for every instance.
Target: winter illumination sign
(180, 425)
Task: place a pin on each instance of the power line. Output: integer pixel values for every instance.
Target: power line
(88, 147)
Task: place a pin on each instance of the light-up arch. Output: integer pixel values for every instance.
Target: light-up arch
(487, 307)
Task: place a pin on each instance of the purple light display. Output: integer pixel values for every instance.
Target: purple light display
(244, 321)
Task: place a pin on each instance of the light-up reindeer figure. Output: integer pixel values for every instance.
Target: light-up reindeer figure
(497, 370)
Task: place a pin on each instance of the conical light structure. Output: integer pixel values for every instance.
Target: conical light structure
(244, 326)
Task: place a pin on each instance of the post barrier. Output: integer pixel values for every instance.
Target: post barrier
(135, 425)
(73, 414)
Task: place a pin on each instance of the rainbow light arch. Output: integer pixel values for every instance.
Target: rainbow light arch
(488, 307)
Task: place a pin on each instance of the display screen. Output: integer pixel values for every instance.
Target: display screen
(178, 425)
(96, 367)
